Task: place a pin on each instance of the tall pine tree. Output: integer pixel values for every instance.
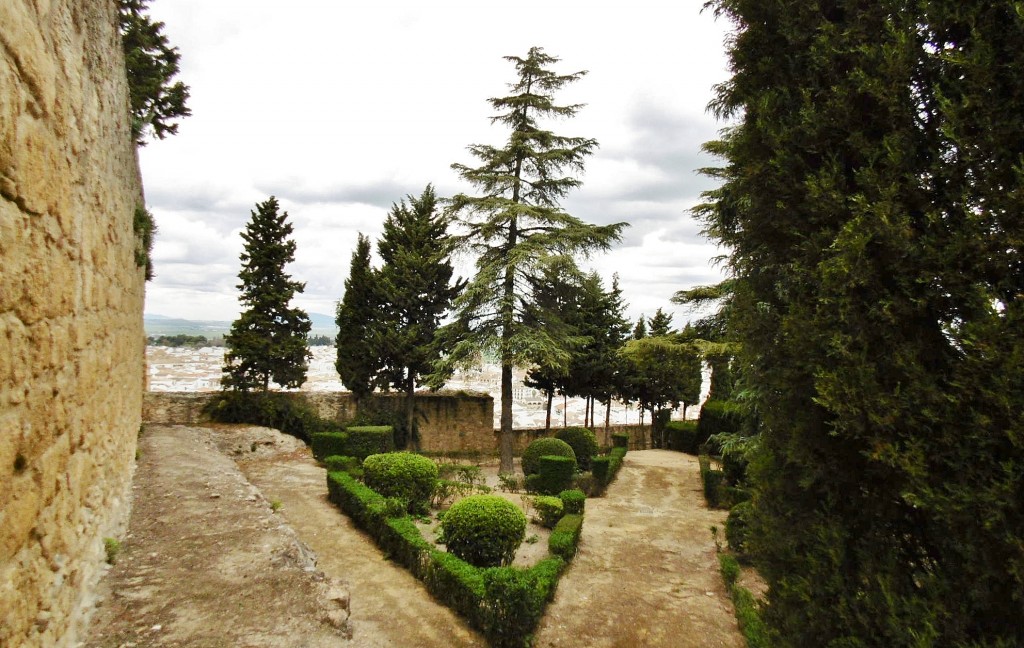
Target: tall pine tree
(358, 342)
(268, 340)
(415, 291)
(515, 224)
(872, 201)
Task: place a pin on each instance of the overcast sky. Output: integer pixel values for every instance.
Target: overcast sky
(341, 109)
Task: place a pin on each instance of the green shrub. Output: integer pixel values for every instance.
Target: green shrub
(326, 444)
(447, 490)
(404, 475)
(514, 600)
(682, 436)
(509, 483)
(556, 474)
(583, 443)
(287, 412)
(573, 501)
(366, 440)
(587, 484)
(565, 536)
(546, 446)
(549, 509)
(730, 496)
(620, 441)
(734, 465)
(456, 583)
(719, 417)
(531, 484)
(599, 468)
(729, 568)
(484, 530)
(713, 481)
(737, 528)
(350, 465)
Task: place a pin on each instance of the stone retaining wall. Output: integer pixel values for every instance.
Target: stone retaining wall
(71, 293)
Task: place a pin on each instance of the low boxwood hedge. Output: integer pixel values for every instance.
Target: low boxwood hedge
(549, 510)
(546, 446)
(404, 475)
(620, 441)
(366, 440)
(326, 444)
(484, 530)
(565, 537)
(583, 443)
(683, 436)
(556, 474)
(573, 501)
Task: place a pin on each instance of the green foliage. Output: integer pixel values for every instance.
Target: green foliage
(268, 340)
(448, 490)
(714, 483)
(719, 417)
(574, 501)
(327, 444)
(583, 443)
(870, 202)
(366, 440)
(565, 537)
(358, 341)
(145, 231)
(484, 530)
(541, 447)
(729, 568)
(737, 528)
(549, 509)
(683, 436)
(180, 340)
(415, 292)
(404, 475)
(151, 64)
(514, 601)
(286, 412)
(515, 227)
(556, 474)
(112, 548)
(664, 371)
(620, 440)
(509, 482)
(341, 463)
(748, 614)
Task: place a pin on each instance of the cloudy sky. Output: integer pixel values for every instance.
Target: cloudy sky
(340, 109)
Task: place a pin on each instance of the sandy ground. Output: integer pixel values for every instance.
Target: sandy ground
(209, 563)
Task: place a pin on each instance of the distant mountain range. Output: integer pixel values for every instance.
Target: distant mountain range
(156, 324)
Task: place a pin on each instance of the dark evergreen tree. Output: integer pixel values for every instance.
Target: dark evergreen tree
(515, 224)
(415, 291)
(640, 330)
(152, 63)
(660, 325)
(872, 201)
(357, 316)
(268, 340)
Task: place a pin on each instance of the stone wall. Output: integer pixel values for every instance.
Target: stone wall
(449, 422)
(71, 295)
(639, 436)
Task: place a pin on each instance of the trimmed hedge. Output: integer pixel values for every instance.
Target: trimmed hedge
(565, 537)
(326, 444)
(620, 441)
(683, 436)
(737, 528)
(549, 509)
(545, 446)
(573, 501)
(504, 603)
(719, 417)
(366, 440)
(556, 474)
(404, 475)
(484, 530)
(606, 467)
(748, 612)
(350, 465)
(288, 412)
(583, 443)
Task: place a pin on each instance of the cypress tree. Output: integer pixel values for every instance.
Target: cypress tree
(268, 340)
(415, 292)
(515, 224)
(358, 342)
(872, 201)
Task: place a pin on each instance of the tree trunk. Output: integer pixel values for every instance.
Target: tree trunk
(565, 410)
(586, 412)
(547, 420)
(411, 438)
(607, 419)
(505, 466)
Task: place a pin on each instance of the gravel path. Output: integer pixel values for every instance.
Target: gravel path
(646, 573)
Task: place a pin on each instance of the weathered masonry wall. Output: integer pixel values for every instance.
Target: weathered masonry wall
(71, 337)
(448, 421)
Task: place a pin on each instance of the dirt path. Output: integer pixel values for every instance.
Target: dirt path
(646, 572)
(390, 607)
(206, 559)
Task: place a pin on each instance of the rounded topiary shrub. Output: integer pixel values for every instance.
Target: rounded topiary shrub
(583, 444)
(403, 475)
(484, 530)
(547, 446)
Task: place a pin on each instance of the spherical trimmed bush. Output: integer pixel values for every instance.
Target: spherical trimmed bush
(583, 443)
(547, 446)
(484, 530)
(404, 475)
